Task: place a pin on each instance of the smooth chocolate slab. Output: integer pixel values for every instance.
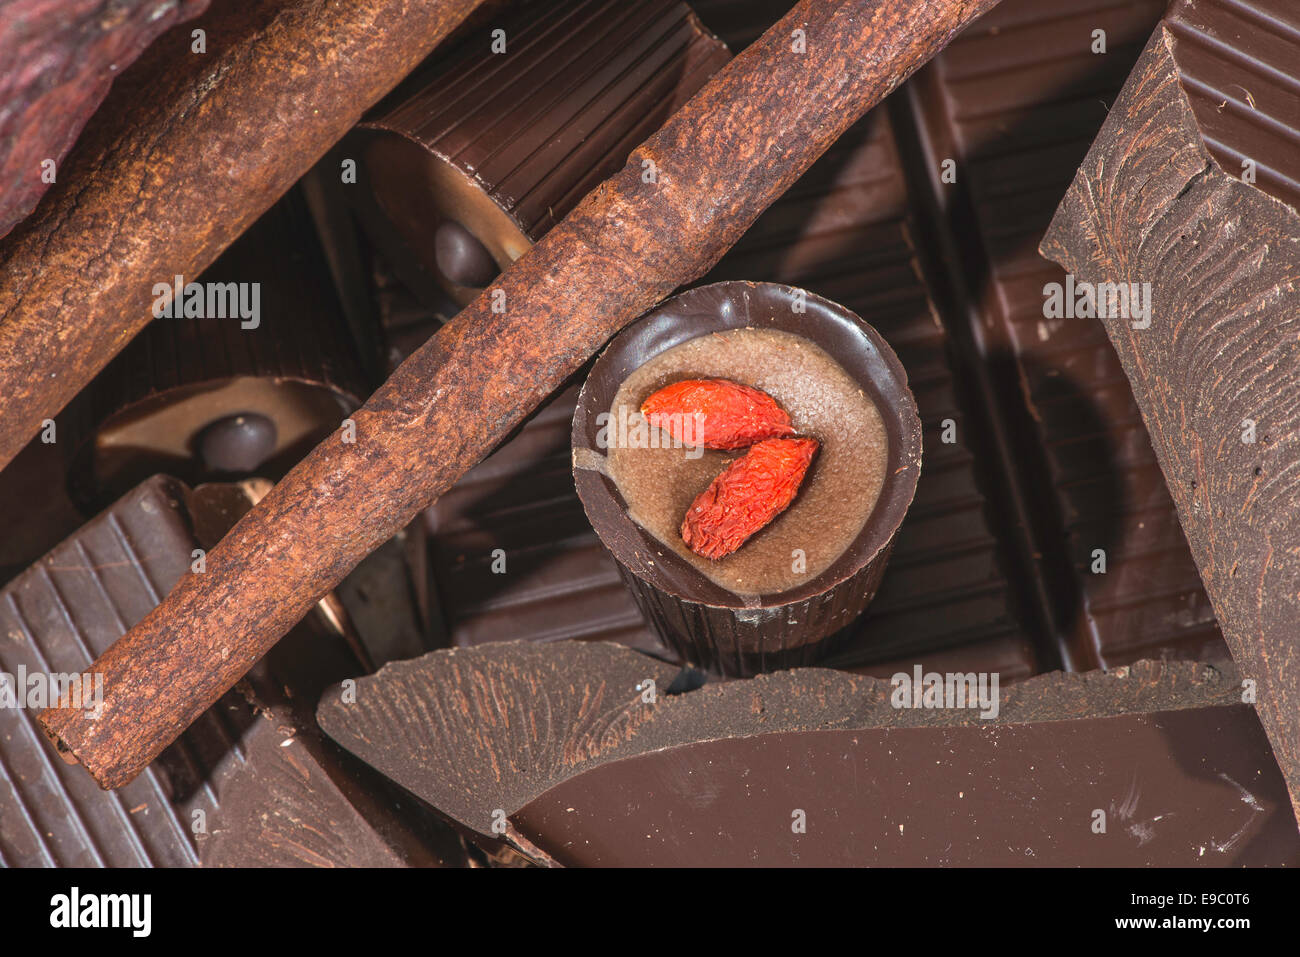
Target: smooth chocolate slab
(1025, 796)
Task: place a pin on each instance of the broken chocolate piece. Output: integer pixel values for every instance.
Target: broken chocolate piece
(1214, 366)
(1011, 106)
(504, 737)
(73, 603)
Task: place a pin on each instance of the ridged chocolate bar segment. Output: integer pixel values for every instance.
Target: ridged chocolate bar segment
(1015, 101)
(842, 232)
(1236, 62)
(579, 85)
(57, 617)
(252, 781)
(475, 157)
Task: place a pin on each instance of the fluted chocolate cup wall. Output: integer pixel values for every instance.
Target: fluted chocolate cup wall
(471, 163)
(703, 622)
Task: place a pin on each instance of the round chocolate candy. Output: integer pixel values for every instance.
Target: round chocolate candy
(237, 443)
(462, 257)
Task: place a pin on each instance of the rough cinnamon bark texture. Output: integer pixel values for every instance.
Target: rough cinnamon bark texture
(57, 61)
(514, 733)
(189, 149)
(1217, 373)
(685, 196)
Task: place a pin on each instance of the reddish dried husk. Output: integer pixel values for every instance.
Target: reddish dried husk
(716, 414)
(746, 496)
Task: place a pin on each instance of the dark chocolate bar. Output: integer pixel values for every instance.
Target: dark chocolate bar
(1014, 103)
(1213, 364)
(578, 754)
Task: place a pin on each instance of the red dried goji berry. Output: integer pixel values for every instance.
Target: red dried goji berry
(716, 413)
(746, 495)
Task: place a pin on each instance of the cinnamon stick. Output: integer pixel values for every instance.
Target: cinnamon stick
(684, 197)
(186, 152)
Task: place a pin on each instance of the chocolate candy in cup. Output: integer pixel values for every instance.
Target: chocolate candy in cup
(483, 151)
(782, 608)
(253, 367)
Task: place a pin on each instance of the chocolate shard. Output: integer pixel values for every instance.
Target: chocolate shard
(57, 616)
(485, 734)
(295, 800)
(1216, 372)
(489, 701)
(57, 61)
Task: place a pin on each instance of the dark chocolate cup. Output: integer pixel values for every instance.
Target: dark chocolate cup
(703, 622)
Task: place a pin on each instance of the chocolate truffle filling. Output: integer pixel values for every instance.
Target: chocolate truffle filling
(658, 478)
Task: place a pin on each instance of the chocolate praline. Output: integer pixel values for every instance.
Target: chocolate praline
(702, 621)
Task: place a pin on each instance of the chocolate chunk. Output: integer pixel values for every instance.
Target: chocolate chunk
(514, 762)
(1213, 365)
(1013, 103)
